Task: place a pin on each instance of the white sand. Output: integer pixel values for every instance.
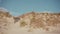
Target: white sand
(16, 29)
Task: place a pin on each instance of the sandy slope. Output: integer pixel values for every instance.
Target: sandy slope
(16, 29)
(11, 25)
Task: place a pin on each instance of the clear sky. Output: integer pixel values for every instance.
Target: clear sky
(18, 7)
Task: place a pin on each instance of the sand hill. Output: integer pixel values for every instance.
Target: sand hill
(33, 21)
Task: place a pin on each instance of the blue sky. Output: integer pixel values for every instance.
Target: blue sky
(18, 7)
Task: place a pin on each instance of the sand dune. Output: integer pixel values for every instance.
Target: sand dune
(30, 23)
